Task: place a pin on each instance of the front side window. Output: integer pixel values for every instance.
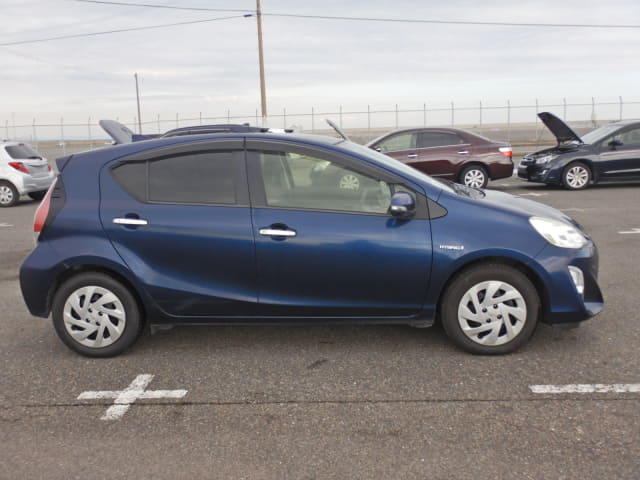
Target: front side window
(293, 180)
(402, 141)
(198, 178)
(630, 138)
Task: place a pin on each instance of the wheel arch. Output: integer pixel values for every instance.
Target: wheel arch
(522, 267)
(74, 270)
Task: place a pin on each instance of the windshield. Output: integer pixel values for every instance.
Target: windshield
(394, 164)
(594, 136)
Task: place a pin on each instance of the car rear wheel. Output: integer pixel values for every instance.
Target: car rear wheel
(474, 176)
(8, 194)
(490, 309)
(96, 315)
(37, 196)
(576, 176)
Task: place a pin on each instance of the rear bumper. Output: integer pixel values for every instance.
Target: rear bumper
(501, 170)
(29, 184)
(38, 274)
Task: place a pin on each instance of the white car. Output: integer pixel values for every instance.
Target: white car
(23, 171)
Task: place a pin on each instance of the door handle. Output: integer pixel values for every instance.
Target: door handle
(136, 222)
(276, 232)
(463, 152)
(412, 155)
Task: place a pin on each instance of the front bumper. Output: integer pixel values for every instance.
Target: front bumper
(543, 173)
(564, 304)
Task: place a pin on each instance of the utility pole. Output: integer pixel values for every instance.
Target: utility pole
(263, 93)
(138, 102)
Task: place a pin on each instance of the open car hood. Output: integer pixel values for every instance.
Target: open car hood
(560, 130)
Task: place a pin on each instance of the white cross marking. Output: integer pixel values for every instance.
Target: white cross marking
(633, 230)
(587, 388)
(124, 398)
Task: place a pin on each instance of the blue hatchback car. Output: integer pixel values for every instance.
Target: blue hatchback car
(263, 228)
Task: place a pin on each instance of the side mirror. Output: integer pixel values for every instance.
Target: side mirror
(377, 149)
(615, 143)
(403, 205)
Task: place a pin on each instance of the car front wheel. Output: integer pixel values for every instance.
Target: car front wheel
(8, 194)
(474, 176)
(576, 176)
(96, 315)
(490, 309)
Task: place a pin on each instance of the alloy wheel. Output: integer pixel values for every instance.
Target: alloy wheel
(577, 176)
(474, 178)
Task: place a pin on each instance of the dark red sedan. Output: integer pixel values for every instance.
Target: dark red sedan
(449, 153)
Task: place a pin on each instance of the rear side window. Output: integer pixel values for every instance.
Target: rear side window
(201, 178)
(438, 139)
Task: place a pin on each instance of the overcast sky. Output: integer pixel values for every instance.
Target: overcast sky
(212, 67)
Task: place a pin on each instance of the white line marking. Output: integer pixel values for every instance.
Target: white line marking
(5, 225)
(633, 230)
(125, 398)
(587, 388)
(573, 209)
(533, 194)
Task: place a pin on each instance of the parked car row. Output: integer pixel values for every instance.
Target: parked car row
(607, 154)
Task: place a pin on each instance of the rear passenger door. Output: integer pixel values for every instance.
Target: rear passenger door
(180, 219)
(440, 154)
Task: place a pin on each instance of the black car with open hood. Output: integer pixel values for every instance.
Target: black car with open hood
(610, 153)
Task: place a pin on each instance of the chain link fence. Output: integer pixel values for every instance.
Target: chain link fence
(512, 122)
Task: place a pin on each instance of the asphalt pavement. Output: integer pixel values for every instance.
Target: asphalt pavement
(327, 402)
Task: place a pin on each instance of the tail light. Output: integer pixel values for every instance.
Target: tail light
(506, 151)
(42, 212)
(19, 166)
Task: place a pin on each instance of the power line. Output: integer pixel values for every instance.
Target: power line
(132, 29)
(371, 19)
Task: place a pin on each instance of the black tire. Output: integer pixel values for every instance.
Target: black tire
(475, 176)
(37, 196)
(576, 176)
(498, 326)
(118, 316)
(8, 194)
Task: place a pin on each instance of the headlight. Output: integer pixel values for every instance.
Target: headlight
(558, 233)
(545, 159)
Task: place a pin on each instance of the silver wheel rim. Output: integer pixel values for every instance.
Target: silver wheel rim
(6, 195)
(474, 178)
(492, 313)
(349, 182)
(94, 317)
(577, 177)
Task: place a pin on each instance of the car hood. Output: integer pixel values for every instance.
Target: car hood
(560, 130)
(525, 206)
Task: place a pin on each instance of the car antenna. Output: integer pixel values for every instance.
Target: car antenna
(338, 130)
